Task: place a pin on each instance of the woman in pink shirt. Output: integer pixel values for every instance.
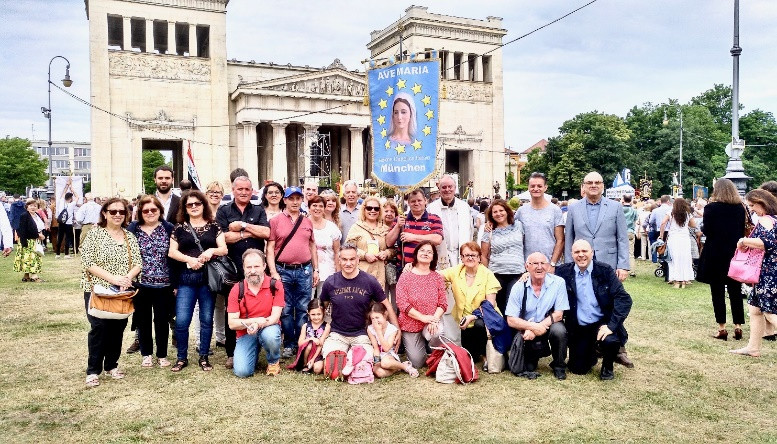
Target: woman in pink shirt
(422, 300)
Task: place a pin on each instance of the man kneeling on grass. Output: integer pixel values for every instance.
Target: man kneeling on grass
(254, 311)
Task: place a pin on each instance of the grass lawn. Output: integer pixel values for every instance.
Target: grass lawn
(685, 386)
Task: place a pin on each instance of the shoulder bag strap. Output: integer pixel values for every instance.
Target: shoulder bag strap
(288, 238)
(194, 234)
(522, 315)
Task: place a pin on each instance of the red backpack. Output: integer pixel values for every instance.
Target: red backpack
(459, 357)
(333, 365)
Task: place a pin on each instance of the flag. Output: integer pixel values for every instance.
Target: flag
(192, 170)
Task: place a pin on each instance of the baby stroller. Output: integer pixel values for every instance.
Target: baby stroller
(662, 267)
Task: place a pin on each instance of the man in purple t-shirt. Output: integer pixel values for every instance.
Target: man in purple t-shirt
(351, 292)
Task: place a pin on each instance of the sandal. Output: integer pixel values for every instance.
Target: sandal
(163, 362)
(25, 279)
(179, 365)
(412, 371)
(116, 373)
(36, 280)
(148, 362)
(204, 364)
(92, 381)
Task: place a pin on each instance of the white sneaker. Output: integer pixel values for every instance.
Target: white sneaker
(67, 256)
(58, 257)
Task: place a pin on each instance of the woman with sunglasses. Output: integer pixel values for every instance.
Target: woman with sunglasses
(369, 236)
(195, 219)
(471, 284)
(155, 292)
(272, 200)
(110, 256)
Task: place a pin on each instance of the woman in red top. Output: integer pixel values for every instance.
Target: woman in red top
(422, 300)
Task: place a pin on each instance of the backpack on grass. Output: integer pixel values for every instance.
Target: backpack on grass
(362, 366)
(451, 363)
(333, 365)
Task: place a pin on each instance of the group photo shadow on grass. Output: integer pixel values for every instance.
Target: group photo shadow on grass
(685, 386)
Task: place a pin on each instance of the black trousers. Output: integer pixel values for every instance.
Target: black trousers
(528, 354)
(65, 234)
(718, 290)
(506, 281)
(474, 339)
(104, 342)
(153, 304)
(583, 346)
(230, 336)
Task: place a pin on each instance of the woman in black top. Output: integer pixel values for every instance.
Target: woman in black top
(724, 224)
(195, 216)
(27, 261)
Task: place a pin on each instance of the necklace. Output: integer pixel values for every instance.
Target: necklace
(470, 275)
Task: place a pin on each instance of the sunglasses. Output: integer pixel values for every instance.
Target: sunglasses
(195, 204)
(150, 211)
(115, 212)
(370, 208)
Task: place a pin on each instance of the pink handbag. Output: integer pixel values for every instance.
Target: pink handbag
(746, 265)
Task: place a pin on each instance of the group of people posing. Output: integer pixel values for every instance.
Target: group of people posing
(315, 278)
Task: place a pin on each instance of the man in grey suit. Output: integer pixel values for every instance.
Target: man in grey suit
(601, 222)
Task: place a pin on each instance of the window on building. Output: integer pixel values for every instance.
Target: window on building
(160, 36)
(487, 71)
(138, 34)
(182, 39)
(471, 61)
(115, 32)
(443, 59)
(457, 56)
(203, 41)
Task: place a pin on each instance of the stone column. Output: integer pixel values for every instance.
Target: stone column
(248, 150)
(357, 154)
(150, 36)
(279, 172)
(449, 65)
(464, 73)
(479, 68)
(193, 42)
(311, 130)
(345, 153)
(171, 38)
(127, 37)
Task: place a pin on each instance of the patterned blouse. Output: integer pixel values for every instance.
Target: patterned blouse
(424, 293)
(153, 249)
(100, 249)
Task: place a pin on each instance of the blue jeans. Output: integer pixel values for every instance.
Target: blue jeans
(188, 295)
(653, 237)
(248, 346)
(297, 291)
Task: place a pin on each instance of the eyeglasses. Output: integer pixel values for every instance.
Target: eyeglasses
(370, 208)
(536, 264)
(150, 210)
(470, 256)
(195, 204)
(593, 182)
(214, 193)
(115, 212)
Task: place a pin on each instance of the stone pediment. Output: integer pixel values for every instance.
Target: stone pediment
(332, 81)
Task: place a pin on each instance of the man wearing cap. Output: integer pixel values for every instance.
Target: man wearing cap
(292, 259)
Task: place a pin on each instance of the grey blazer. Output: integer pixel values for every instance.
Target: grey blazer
(609, 237)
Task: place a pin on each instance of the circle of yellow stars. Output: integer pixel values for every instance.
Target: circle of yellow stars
(383, 104)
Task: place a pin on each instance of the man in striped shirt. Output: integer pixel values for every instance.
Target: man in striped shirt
(417, 226)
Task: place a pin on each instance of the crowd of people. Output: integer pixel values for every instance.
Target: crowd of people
(320, 273)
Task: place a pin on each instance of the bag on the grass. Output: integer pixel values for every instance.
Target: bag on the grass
(451, 363)
(333, 365)
(495, 361)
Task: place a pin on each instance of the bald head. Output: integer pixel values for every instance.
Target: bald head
(582, 253)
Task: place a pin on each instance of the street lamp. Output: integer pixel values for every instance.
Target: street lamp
(47, 112)
(666, 122)
(735, 171)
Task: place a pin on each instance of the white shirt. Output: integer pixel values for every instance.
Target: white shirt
(6, 232)
(89, 213)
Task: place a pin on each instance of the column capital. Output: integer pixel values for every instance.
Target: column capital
(248, 123)
(311, 126)
(357, 128)
(279, 125)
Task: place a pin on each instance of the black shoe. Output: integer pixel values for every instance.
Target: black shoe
(134, 347)
(529, 375)
(770, 338)
(623, 359)
(560, 373)
(606, 374)
(220, 344)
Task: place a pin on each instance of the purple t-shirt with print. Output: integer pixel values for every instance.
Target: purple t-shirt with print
(351, 300)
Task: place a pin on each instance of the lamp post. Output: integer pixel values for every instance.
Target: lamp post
(47, 112)
(666, 122)
(735, 171)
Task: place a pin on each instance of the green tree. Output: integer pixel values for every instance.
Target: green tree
(718, 101)
(151, 160)
(537, 161)
(509, 183)
(759, 130)
(20, 166)
(568, 173)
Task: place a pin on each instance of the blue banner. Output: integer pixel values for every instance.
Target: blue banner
(404, 107)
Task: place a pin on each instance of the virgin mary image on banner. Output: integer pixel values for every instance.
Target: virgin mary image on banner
(404, 121)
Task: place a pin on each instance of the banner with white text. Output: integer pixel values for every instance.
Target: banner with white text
(404, 108)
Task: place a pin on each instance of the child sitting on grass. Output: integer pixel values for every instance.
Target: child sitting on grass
(312, 337)
(382, 335)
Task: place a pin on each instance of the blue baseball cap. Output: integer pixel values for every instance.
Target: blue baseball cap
(292, 190)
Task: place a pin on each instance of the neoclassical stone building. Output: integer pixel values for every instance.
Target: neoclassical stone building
(160, 70)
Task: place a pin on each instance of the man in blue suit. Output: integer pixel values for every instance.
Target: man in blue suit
(600, 222)
(598, 306)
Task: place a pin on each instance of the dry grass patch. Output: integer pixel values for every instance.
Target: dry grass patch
(685, 387)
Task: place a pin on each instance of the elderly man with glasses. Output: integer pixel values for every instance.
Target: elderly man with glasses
(535, 309)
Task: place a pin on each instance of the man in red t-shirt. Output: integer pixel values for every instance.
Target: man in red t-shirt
(256, 317)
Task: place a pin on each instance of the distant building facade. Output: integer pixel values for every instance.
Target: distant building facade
(67, 158)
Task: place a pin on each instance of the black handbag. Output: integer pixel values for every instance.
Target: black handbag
(222, 272)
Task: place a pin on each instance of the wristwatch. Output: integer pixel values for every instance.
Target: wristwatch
(243, 226)
(553, 264)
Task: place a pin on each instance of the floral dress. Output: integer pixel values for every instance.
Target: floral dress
(764, 294)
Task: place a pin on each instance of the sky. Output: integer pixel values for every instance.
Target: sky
(608, 57)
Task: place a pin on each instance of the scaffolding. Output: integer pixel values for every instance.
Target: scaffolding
(317, 156)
